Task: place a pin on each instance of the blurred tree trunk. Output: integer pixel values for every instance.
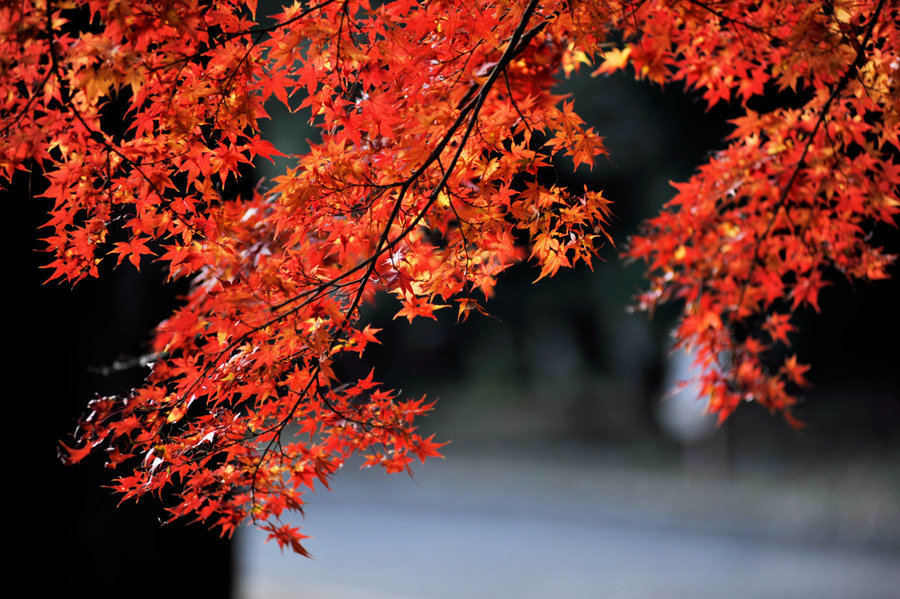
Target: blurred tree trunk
(74, 541)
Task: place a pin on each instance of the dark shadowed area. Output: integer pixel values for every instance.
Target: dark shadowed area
(69, 538)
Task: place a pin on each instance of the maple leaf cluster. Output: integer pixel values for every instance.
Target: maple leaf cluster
(438, 125)
(797, 193)
(435, 119)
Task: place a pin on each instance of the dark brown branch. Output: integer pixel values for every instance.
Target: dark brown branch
(469, 111)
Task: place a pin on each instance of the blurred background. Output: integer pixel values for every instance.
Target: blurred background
(567, 474)
(575, 471)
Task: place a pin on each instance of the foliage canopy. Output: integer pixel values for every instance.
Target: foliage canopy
(438, 122)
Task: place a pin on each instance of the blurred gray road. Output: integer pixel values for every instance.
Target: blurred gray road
(480, 528)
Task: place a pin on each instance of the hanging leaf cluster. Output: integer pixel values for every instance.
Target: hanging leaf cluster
(436, 121)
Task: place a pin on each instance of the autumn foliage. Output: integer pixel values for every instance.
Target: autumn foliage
(438, 125)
